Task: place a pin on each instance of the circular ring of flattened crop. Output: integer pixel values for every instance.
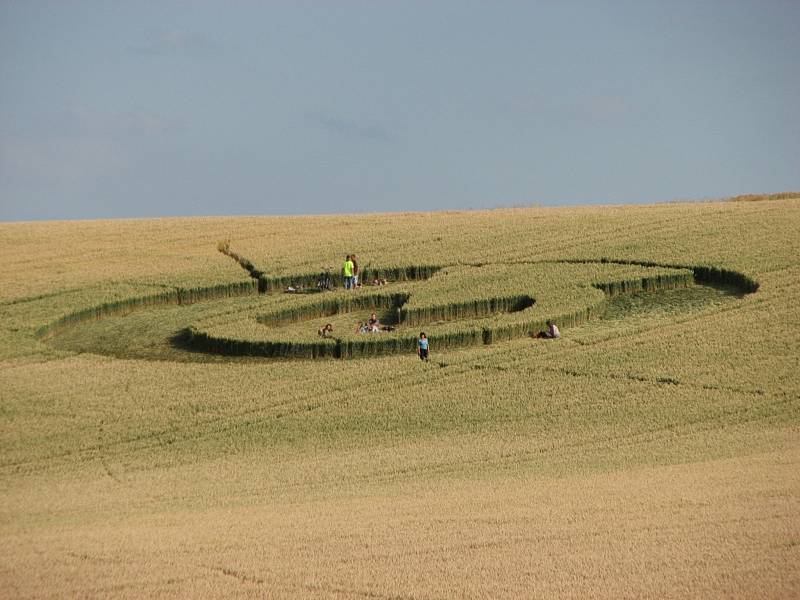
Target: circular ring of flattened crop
(457, 305)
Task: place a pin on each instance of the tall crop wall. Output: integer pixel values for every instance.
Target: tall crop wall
(177, 296)
(311, 280)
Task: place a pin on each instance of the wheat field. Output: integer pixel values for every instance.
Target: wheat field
(651, 452)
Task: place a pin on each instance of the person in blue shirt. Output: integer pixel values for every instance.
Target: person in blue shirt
(422, 346)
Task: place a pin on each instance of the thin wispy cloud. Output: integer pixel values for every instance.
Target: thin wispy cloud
(177, 42)
(58, 161)
(603, 109)
(68, 151)
(145, 123)
(586, 109)
(351, 128)
(82, 121)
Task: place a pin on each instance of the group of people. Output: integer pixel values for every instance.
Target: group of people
(373, 325)
(350, 272)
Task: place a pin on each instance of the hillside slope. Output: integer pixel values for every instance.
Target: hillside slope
(652, 451)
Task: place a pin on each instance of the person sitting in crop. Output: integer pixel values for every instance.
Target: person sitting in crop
(326, 331)
(373, 323)
(550, 333)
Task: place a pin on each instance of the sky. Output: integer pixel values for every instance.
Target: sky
(178, 108)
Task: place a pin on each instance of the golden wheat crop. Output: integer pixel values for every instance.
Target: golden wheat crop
(652, 451)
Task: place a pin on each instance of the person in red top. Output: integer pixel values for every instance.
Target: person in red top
(355, 270)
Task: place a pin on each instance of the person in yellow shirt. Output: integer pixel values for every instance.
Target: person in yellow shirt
(347, 273)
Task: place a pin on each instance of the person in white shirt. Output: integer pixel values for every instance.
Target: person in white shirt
(550, 333)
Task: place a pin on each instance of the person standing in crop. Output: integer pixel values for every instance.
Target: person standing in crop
(422, 346)
(347, 273)
(355, 270)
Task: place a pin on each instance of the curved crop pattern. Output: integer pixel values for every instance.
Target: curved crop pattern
(702, 273)
(496, 317)
(460, 305)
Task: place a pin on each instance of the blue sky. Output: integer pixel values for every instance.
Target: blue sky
(138, 109)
